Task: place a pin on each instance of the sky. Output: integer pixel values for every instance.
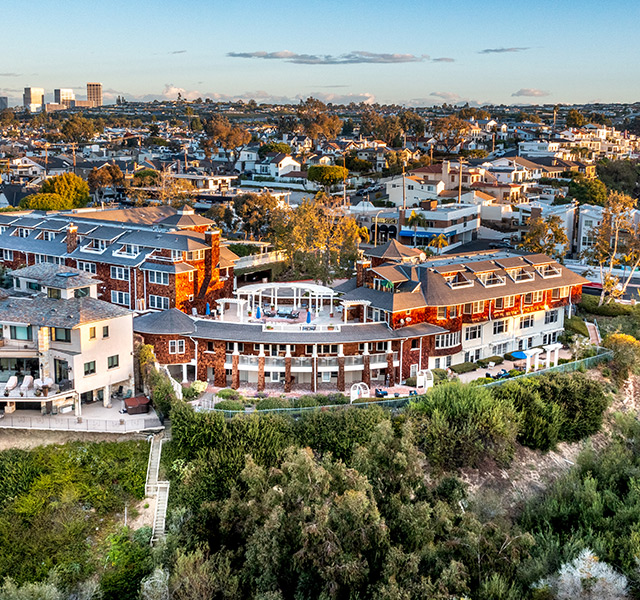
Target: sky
(414, 53)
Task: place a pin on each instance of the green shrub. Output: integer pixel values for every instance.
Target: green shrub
(589, 304)
(484, 362)
(539, 422)
(439, 375)
(481, 381)
(229, 394)
(305, 402)
(271, 403)
(515, 373)
(465, 367)
(163, 396)
(576, 325)
(461, 425)
(229, 405)
(411, 381)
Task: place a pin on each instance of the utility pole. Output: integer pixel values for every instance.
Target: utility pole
(404, 190)
(73, 149)
(344, 181)
(460, 180)
(46, 159)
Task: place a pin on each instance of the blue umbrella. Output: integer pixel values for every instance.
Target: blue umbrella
(308, 316)
(258, 313)
(519, 354)
(208, 309)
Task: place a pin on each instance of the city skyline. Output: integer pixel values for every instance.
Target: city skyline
(425, 53)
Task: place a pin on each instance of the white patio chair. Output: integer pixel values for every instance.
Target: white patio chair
(27, 382)
(12, 383)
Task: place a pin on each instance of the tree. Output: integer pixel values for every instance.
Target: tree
(277, 147)
(99, 179)
(546, 236)
(416, 220)
(616, 242)
(258, 212)
(451, 131)
(315, 120)
(231, 137)
(45, 202)
(626, 354)
(588, 191)
(620, 175)
(439, 242)
(327, 175)
(145, 178)
(78, 129)
(575, 118)
(319, 241)
(72, 188)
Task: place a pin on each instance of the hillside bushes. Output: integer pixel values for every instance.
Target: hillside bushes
(557, 407)
(461, 425)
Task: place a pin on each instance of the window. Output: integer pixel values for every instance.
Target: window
(54, 293)
(448, 340)
(453, 311)
(44, 258)
(274, 376)
(538, 297)
(190, 275)
(22, 232)
(194, 255)
(551, 317)
(120, 297)
(478, 307)
(89, 267)
(526, 322)
(48, 236)
(415, 343)
(473, 333)
(499, 327)
(322, 348)
(32, 285)
(558, 293)
(498, 303)
(92, 333)
(59, 334)
(81, 292)
(159, 277)
(105, 331)
(121, 273)
(113, 361)
(7, 254)
(129, 249)
(467, 309)
(176, 347)
(442, 312)
(158, 302)
(176, 255)
(230, 346)
(472, 355)
(89, 368)
(550, 338)
(326, 377)
(19, 332)
(528, 299)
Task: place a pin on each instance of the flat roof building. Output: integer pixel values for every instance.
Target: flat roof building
(94, 93)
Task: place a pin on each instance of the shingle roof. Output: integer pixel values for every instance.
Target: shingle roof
(167, 322)
(49, 312)
(393, 250)
(59, 276)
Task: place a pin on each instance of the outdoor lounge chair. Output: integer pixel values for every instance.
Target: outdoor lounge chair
(27, 382)
(11, 384)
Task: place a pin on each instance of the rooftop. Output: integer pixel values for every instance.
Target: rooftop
(58, 276)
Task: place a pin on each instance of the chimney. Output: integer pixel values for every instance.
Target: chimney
(72, 238)
(402, 217)
(445, 168)
(212, 256)
(361, 269)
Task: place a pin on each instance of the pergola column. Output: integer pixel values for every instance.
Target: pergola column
(314, 368)
(261, 368)
(235, 367)
(391, 370)
(341, 384)
(287, 369)
(366, 360)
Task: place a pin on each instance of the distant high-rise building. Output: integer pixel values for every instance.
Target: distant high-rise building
(4, 102)
(33, 98)
(94, 93)
(64, 96)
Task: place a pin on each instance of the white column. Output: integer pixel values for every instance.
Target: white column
(317, 305)
(364, 313)
(389, 346)
(345, 312)
(366, 348)
(340, 349)
(184, 373)
(261, 353)
(288, 352)
(528, 364)
(79, 405)
(555, 356)
(275, 291)
(548, 361)
(536, 361)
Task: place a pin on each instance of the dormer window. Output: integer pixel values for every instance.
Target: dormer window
(518, 275)
(547, 271)
(176, 255)
(55, 293)
(129, 249)
(491, 279)
(457, 280)
(47, 236)
(22, 232)
(195, 255)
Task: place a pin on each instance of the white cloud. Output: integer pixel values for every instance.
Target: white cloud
(350, 58)
(530, 93)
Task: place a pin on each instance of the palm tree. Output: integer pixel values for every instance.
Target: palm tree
(416, 220)
(439, 242)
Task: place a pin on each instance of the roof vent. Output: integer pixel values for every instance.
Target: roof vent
(67, 274)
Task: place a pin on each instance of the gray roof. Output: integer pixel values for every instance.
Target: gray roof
(58, 276)
(105, 233)
(49, 312)
(160, 324)
(176, 240)
(393, 250)
(167, 322)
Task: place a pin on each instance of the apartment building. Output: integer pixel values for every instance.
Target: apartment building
(94, 94)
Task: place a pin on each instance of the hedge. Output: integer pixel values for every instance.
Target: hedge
(484, 362)
(612, 309)
(577, 325)
(465, 367)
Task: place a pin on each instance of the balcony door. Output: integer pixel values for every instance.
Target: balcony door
(61, 368)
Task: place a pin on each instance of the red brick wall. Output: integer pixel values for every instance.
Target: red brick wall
(160, 345)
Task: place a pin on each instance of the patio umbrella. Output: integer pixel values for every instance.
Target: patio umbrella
(207, 309)
(519, 355)
(258, 315)
(308, 316)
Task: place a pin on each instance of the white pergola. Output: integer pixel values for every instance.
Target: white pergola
(240, 306)
(535, 354)
(316, 294)
(555, 348)
(347, 304)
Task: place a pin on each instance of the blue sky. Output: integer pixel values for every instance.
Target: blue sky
(402, 51)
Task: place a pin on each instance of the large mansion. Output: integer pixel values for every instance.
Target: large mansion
(401, 313)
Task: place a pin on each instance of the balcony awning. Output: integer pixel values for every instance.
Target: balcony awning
(425, 234)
